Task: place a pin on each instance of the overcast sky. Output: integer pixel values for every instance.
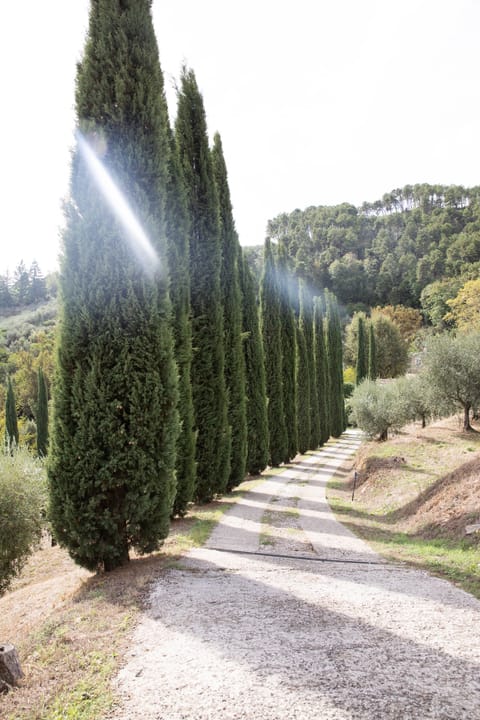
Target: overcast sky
(317, 102)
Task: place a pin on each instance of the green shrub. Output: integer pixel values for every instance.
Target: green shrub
(22, 511)
(379, 407)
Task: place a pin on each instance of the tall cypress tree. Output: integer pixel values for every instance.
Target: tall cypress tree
(287, 286)
(304, 417)
(307, 324)
(11, 423)
(335, 367)
(232, 314)
(270, 322)
(208, 379)
(255, 382)
(112, 456)
(320, 368)
(362, 353)
(42, 414)
(372, 353)
(177, 232)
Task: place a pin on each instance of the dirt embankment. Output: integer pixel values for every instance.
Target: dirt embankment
(428, 483)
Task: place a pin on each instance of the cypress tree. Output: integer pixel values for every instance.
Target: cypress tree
(372, 353)
(270, 322)
(112, 455)
(208, 380)
(287, 286)
(335, 367)
(11, 423)
(304, 417)
(177, 230)
(307, 311)
(320, 368)
(255, 382)
(362, 353)
(42, 415)
(232, 313)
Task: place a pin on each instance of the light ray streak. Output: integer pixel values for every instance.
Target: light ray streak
(138, 239)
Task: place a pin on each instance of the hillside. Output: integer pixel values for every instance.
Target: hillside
(415, 495)
(390, 251)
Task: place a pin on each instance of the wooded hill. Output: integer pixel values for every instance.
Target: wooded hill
(386, 252)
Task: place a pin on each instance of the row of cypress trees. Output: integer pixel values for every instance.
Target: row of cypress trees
(161, 384)
(303, 346)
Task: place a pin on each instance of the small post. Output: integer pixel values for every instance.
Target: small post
(355, 478)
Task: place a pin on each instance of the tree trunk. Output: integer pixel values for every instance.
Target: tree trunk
(384, 435)
(466, 417)
(10, 670)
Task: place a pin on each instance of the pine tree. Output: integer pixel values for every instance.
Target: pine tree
(362, 350)
(255, 385)
(287, 287)
(112, 455)
(320, 368)
(270, 323)
(208, 380)
(232, 313)
(335, 367)
(42, 415)
(372, 353)
(177, 232)
(11, 423)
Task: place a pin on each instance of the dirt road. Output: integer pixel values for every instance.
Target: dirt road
(317, 626)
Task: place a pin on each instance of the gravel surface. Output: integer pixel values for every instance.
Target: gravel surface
(316, 627)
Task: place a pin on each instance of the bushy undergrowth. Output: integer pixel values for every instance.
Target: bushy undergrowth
(22, 510)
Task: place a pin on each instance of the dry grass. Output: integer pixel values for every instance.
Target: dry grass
(415, 495)
(71, 627)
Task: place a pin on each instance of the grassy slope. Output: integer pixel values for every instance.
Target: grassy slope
(415, 495)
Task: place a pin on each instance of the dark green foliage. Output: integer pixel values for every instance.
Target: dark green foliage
(320, 369)
(372, 353)
(385, 252)
(257, 423)
(335, 367)
(270, 323)
(288, 288)
(303, 392)
(22, 510)
(112, 452)
(208, 380)
(42, 415)
(310, 401)
(391, 351)
(177, 229)
(232, 314)
(362, 352)
(11, 424)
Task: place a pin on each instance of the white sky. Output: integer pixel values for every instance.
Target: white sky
(317, 102)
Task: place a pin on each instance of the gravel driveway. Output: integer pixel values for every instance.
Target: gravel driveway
(317, 627)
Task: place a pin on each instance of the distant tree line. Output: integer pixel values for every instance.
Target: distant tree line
(26, 287)
(174, 378)
(391, 252)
